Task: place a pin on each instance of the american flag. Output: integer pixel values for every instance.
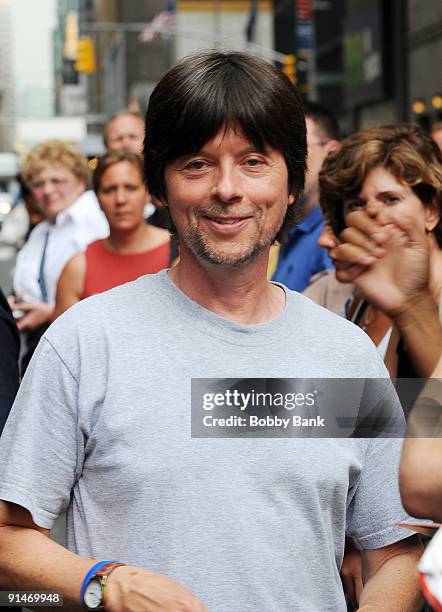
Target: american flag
(163, 21)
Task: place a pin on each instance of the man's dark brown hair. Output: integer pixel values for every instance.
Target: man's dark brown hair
(212, 90)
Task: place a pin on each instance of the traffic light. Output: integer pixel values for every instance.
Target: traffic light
(85, 61)
(289, 68)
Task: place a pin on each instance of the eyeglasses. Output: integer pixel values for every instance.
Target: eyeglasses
(56, 183)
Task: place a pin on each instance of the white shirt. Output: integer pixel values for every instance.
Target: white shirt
(383, 344)
(74, 228)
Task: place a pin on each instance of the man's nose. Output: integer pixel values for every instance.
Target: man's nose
(327, 239)
(127, 141)
(227, 184)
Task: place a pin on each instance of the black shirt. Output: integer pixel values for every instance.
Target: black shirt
(9, 352)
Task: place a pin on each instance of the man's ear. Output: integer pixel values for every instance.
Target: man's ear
(291, 199)
(432, 216)
(332, 145)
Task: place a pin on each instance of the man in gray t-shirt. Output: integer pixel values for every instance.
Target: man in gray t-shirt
(102, 424)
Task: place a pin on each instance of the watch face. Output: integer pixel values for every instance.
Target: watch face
(93, 596)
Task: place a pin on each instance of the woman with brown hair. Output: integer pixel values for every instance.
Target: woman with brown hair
(393, 174)
(133, 247)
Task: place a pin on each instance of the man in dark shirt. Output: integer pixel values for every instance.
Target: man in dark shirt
(9, 376)
(300, 257)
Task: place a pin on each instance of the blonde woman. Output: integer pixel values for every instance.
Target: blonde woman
(57, 175)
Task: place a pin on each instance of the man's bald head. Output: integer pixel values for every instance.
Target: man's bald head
(124, 131)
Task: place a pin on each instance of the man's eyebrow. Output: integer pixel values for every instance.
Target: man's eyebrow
(244, 151)
(184, 157)
(262, 150)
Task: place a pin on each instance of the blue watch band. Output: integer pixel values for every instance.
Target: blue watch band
(91, 573)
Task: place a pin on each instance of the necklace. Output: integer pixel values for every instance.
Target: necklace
(370, 315)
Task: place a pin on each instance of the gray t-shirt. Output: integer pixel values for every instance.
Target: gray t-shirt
(101, 427)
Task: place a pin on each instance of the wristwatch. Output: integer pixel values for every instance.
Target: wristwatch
(93, 598)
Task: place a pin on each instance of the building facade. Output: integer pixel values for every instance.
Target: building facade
(366, 60)
(7, 85)
(374, 59)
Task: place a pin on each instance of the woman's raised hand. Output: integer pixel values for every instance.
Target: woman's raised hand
(386, 258)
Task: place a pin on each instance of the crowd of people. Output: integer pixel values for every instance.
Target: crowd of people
(118, 315)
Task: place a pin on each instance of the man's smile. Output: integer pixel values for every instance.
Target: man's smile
(226, 225)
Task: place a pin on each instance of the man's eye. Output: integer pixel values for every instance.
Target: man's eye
(197, 164)
(391, 199)
(253, 162)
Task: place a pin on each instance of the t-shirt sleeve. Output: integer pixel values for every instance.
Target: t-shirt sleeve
(376, 506)
(41, 448)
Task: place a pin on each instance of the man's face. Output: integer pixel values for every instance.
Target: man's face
(229, 200)
(317, 151)
(125, 132)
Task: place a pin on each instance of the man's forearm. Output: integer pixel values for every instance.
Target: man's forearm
(29, 560)
(421, 331)
(393, 588)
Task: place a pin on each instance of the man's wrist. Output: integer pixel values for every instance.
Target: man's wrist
(94, 584)
(108, 587)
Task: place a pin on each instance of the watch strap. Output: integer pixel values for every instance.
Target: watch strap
(99, 572)
(91, 573)
(107, 569)
(103, 576)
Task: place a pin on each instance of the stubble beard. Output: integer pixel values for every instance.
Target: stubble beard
(194, 239)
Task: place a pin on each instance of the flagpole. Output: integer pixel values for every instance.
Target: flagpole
(217, 22)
